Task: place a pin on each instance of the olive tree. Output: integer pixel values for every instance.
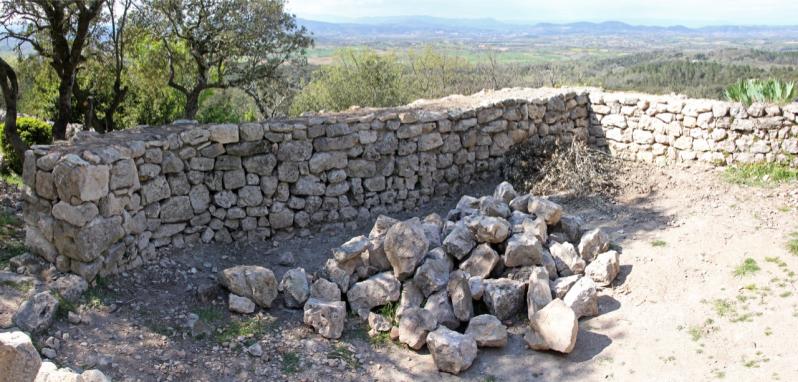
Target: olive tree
(58, 30)
(230, 43)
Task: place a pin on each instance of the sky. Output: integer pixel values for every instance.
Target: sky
(646, 12)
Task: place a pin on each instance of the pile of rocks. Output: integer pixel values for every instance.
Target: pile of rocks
(505, 254)
(508, 255)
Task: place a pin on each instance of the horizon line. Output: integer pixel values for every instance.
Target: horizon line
(525, 22)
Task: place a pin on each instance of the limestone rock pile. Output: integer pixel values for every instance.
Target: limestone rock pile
(510, 257)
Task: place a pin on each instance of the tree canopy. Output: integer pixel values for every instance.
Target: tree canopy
(229, 43)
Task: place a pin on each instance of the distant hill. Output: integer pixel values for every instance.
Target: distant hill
(426, 27)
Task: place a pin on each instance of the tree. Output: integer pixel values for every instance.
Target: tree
(115, 46)
(10, 89)
(273, 96)
(230, 42)
(361, 77)
(58, 30)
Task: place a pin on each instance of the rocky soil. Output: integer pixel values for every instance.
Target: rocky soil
(687, 305)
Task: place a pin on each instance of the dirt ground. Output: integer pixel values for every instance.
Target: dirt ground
(683, 308)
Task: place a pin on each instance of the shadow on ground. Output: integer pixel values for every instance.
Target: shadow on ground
(167, 291)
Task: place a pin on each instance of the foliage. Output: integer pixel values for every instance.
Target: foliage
(760, 174)
(290, 363)
(753, 90)
(792, 244)
(210, 314)
(151, 101)
(33, 132)
(38, 85)
(273, 96)
(59, 31)
(64, 307)
(11, 179)
(250, 327)
(342, 353)
(748, 267)
(361, 78)
(11, 235)
(231, 42)
(227, 105)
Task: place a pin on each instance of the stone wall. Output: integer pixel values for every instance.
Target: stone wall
(667, 129)
(104, 204)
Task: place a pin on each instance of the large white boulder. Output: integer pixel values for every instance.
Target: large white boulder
(592, 243)
(19, 360)
(405, 245)
(414, 325)
(452, 352)
(583, 298)
(251, 281)
(556, 325)
(327, 317)
(377, 290)
(488, 331)
(604, 268)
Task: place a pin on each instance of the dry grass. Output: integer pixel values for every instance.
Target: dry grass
(573, 167)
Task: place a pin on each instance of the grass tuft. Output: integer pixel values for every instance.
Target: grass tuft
(342, 353)
(748, 267)
(96, 296)
(210, 314)
(389, 311)
(290, 363)
(760, 174)
(792, 244)
(659, 243)
(251, 327)
(723, 307)
(10, 238)
(64, 307)
(22, 286)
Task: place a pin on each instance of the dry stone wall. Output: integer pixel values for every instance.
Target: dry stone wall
(667, 129)
(105, 204)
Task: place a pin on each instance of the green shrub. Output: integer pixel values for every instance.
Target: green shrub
(754, 90)
(32, 131)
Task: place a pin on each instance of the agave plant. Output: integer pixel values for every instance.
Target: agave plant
(755, 90)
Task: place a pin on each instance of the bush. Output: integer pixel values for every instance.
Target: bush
(753, 90)
(32, 131)
(361, 78)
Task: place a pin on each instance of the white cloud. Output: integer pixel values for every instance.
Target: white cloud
(690, 12)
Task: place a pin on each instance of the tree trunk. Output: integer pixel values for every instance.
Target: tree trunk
(192, 104)
(10, 88)
(64, 106)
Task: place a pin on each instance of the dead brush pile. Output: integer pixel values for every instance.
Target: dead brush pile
(574, 168)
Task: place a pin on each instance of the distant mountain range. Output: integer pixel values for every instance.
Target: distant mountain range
(426, 26)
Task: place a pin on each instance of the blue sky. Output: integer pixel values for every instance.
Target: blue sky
(650, 12)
